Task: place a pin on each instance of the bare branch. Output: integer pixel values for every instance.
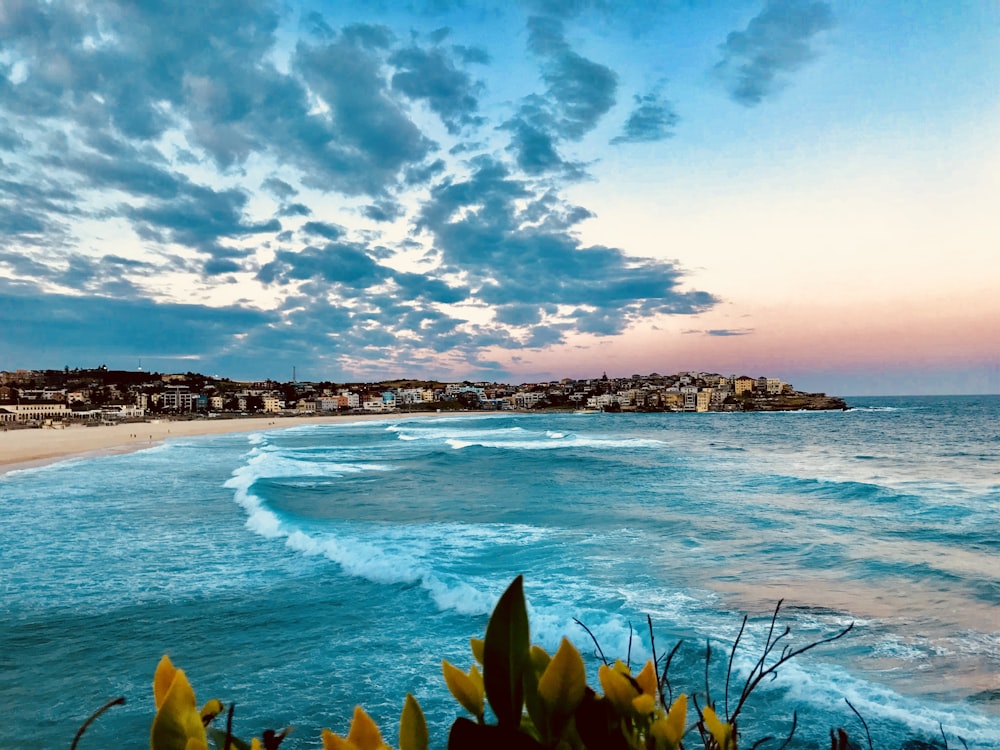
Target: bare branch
(600, 651)
(863, 722)
(664, 680)
(732, 654)
(83, 727)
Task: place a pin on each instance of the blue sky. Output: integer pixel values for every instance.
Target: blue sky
(512, 191)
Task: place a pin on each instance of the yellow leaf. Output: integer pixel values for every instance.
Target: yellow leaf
(644, 704)
(564, 681)
(177, 725)
(647, 678)
(412, 726)
(722, 733)
(668, 730)
(539, 659)
(676, 718)
(468, 691)
(162, 678)
(364, 732)
(478, 649)
(333, 742)
(618, 688)
(210, 710)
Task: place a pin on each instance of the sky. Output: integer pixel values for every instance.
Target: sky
(507, 191)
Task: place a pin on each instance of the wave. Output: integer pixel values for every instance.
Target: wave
(380, 553)
(514, 438)
(836, 489)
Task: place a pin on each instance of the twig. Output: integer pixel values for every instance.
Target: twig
(665, 680)
(795, 724)
(732, 654)
(863, 722)
(229, 727)
(83, 727)
(600, 651)
(759, 672)
(628, 658)
(708, 658)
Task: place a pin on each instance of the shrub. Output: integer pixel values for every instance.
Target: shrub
(536, 701)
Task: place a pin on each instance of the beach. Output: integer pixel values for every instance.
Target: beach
(24, 448)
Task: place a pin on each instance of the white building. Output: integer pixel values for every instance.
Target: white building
(39, 411)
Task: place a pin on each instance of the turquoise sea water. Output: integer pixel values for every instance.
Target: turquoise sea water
(298, 572)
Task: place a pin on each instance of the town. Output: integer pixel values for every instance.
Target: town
(101, 395)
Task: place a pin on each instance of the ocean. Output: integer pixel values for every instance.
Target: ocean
(299, 572)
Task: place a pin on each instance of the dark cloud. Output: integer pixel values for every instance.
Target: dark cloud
(336, 263)
(729, 331)
(581, 90)
(431, 75)
(515, 268)
(652, 119)
(367, 139)
(200, 218)
(775, 42)
(38, 326)
(383, 211)
(323, 229)
(166, 119)
(532, 141)
(295, 209)
(279, 188)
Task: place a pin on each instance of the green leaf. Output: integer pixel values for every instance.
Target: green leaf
(505, 656)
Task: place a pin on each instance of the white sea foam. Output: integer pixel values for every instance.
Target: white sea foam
(556, 444)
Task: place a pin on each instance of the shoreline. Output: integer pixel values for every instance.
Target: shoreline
(31, 448)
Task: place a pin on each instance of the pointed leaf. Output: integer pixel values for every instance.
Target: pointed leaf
(364, 731)
(720, 732)
(332, 741)
(564, 681)
(466, 689)
(647, 678)
(177, 725)
(505, 655)
(478, 647)
(162, 678)
(412, 726)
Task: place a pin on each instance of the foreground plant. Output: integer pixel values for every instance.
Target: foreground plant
(538, 701)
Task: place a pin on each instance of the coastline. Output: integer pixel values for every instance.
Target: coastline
(29, 448)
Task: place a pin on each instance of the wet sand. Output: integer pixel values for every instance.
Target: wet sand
(24, 448)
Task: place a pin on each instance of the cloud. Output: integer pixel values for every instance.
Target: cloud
(232, 149)
(337, 262)
(367, 139)
(729, 331)
(279, 188)
(200, 218)
(513, 267)
(652, 119)
(581, 90)
(775, 42)
(38, 325)
(431, 75)
(723, 332)
(323, 229)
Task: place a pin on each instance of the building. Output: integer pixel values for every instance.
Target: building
(39, 411)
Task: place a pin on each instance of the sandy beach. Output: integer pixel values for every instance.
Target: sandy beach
(23, 448)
